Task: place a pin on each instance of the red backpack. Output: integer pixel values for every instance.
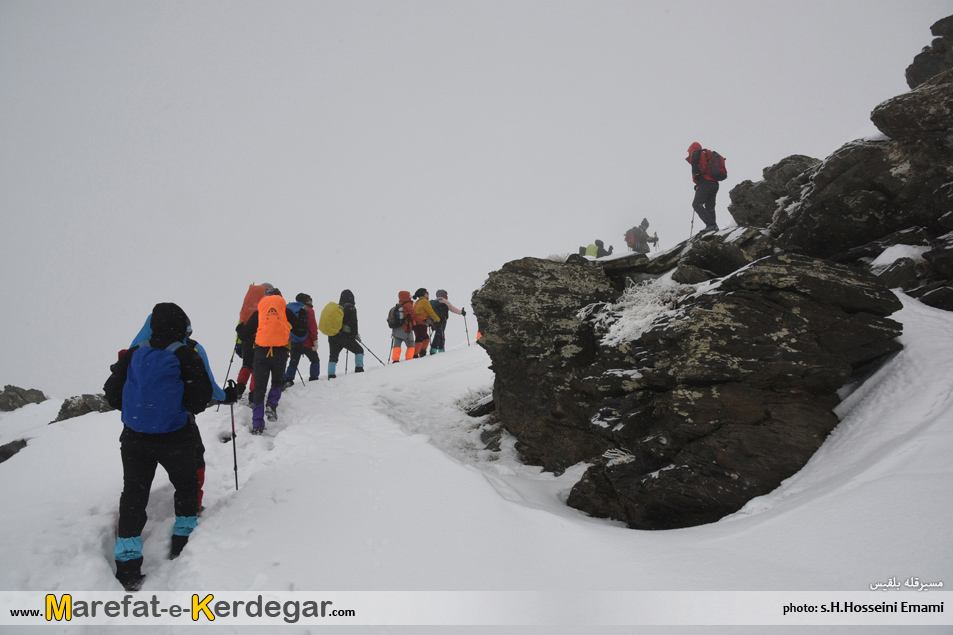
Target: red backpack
(713, 164)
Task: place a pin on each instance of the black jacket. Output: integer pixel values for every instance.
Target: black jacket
(349, 323)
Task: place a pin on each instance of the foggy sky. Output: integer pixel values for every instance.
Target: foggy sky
(179, 151)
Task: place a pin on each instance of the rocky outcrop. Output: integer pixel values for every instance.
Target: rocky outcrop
(529, 318)
(936, 58)
(13, 397)
(870, 192)
(754, 204)
(81, 405)
(734, 390)
(9, 449)
(728, 393)
(697, 379)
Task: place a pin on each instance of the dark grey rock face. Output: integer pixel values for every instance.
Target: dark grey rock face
(754, 204)
(13, 397)
(726, 395)
(528, 314)
(81, 405)
(936, 58)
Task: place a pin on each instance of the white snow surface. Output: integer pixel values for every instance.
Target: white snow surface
(896, 252)
(379, 482)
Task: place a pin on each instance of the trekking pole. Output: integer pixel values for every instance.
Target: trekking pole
(466, 328)
(347, 354)
(372, 353)
(300, 376)
(231, 407)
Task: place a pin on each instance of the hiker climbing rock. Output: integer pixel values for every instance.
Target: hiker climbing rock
(708, 168)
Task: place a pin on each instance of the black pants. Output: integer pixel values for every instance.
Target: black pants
(704, 201)
(439, 341)
(269, 361)
(297, 350)
(337, 343)
(141, 453)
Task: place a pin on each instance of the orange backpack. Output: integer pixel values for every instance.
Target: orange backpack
(252, 297)
(273, 326)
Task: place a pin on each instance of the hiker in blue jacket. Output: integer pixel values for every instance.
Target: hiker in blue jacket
(159, 385)
(218, 394)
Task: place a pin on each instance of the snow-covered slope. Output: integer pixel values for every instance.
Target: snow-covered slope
(378, 482)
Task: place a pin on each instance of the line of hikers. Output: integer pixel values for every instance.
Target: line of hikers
(164, 379)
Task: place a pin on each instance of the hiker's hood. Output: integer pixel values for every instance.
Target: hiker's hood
(169, 322)
(691, 149)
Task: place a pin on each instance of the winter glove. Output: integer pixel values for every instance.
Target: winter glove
(238, 349)
(231, 393)
(463, 311)
(314, 346)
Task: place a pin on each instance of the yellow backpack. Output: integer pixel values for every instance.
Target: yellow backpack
(332, 318)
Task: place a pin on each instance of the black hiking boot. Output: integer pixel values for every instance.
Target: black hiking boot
(178, 544)
(129, 574)
(359, 369)
(288, 384)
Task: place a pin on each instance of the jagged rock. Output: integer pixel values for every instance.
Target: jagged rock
(690, 274)
(909, 236)
(902, 273)
(734, 392)
(81, 405)
(717, 403)
(703, 257)
(9, 449)
(13, 397)
(939, 298)
(529, 315)
(936, 58)
(713, 253)
(482, 407)
(925, 114)
(941, 256)
(754, 204)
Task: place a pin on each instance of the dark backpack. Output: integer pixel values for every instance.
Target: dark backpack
(300, 310)
(395, 317)
(713, 164)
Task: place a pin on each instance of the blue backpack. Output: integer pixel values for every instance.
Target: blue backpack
(299, 309)
(152, 394)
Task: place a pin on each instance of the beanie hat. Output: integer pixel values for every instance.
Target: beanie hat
(273, 291)
(645, 223)
(441, 293)
(304, 298)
